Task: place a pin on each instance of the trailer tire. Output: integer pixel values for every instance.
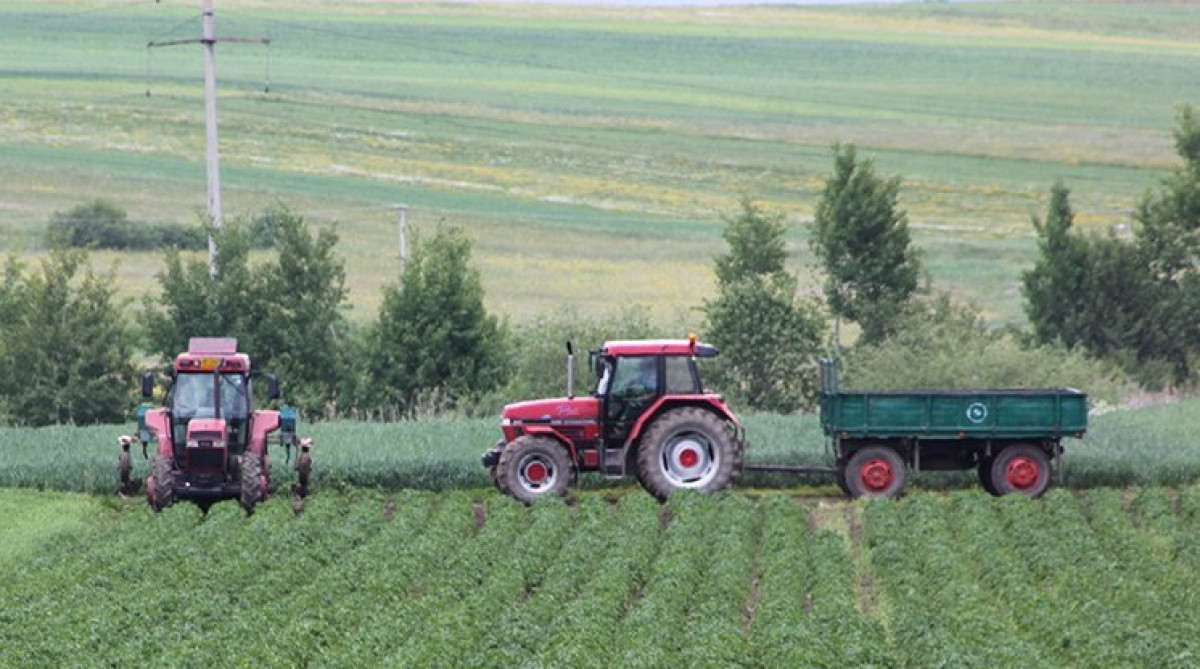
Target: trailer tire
(875, 472)
(1023, 469)
(532, 467)
(839, 476)
(252, 482)
(160, 487)
(685, 448)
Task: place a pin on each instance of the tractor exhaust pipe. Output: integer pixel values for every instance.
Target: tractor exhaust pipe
(570, 371)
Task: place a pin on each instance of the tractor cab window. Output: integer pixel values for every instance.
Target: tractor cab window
(604, 368)
(193, 396)
(635, 377)
(235, 397)
(681, 376)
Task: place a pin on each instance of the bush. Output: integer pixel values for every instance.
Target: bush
(942, 345)
(100, 224)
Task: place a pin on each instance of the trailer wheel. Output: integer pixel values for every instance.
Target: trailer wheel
(254, 484)
(1021, 469)
(875, 472)
(531, 467)
(160, 486)
(984, 468)
(685, 448)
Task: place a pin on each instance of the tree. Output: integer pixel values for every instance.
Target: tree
(194, 302)
(285, 312)
(768, 338)
(304, 293)
(435, 347)
(96, 224)
(66, 346)
(863, 243)
(755, 240)
(1136, 303)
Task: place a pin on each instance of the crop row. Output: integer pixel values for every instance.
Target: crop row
(1155, 446)
(1102, 578)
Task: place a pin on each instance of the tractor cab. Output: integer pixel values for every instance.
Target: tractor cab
(632, 376)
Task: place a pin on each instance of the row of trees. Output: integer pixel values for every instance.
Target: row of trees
(67, 344)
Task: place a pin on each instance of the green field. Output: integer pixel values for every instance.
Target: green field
(411, 579)
(1152, 446)
(591, 151)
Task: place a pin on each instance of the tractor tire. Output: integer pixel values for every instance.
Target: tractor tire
(254, 487)
(686, 448)
(875, 472)
(532, 467)
(160, 486)
(1023, 469)
(984, 468)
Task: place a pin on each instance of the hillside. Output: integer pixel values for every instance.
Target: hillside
(591, 151)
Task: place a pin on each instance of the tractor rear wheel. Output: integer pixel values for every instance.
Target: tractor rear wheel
(160, 486)
(1021, 469)
(531, 467)
(686, 448)
(253, 483)
(875, 472)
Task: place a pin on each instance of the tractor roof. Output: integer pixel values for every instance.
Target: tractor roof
(206, 354)
(660, 347)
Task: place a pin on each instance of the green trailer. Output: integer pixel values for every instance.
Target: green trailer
(1013, 438)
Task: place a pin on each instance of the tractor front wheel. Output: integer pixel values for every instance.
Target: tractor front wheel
(875, 472)
(254, 483)
(686, 448)
(160, 486)
(531, 467)
(1021, 469)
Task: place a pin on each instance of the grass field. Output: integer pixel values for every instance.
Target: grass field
(591, 151)
(1101, 578)
(1155, 446)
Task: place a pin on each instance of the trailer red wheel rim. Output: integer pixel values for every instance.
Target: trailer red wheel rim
(1023, 472)
(877, 474)
(688, 457)
(535, 472)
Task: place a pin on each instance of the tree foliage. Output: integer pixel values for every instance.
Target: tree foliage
(769, 338)
(285, 312)
(435, 347)
(65, 348)
(863, 242)
(104, 225)
(1133, 302)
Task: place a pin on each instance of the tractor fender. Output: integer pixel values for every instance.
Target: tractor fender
(158, 424)
(549, 431)
(261, 424)
(710, 403)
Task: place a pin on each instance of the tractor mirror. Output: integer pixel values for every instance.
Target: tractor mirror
(147, 385)
(272, 387)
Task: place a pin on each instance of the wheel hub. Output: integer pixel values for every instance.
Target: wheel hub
(876, 474)
(1022, 473)
(689, 461)
(536, 474)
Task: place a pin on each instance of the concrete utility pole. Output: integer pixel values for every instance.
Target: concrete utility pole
(208, 38)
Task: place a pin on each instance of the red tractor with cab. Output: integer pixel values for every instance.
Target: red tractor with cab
(648, 415)
(210, 443)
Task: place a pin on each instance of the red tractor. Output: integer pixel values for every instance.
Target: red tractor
(209, 441)
(648, 415)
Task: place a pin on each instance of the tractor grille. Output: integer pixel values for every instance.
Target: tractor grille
(206, 459)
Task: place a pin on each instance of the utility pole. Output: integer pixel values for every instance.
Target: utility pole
(208, 38)
(402, 229)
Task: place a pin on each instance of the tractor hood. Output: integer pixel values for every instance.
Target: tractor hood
(552, 411)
